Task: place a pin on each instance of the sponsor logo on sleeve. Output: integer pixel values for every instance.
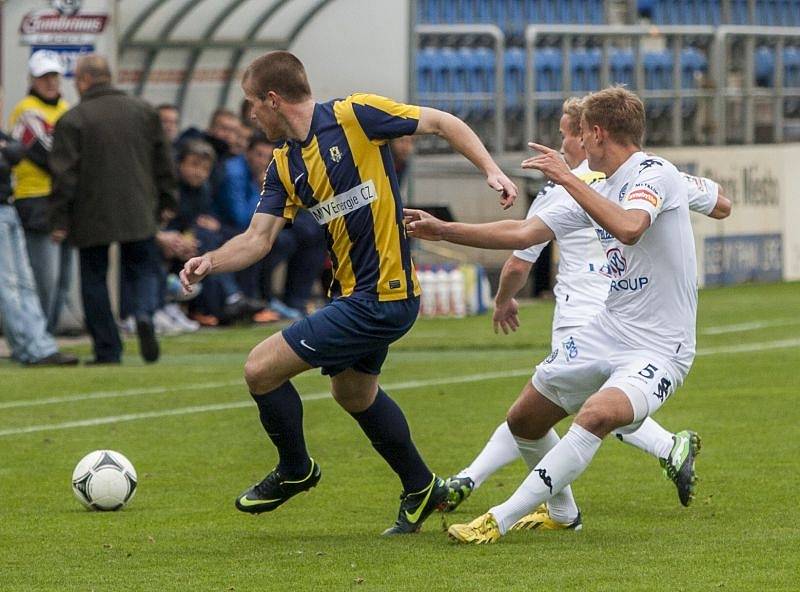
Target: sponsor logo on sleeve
(643, 194)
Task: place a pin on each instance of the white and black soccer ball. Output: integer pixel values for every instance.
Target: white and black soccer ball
(104, 480)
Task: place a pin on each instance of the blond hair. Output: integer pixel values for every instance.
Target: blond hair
(618, 111)
(573, 109)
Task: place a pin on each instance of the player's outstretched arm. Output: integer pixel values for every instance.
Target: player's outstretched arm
(503, 234)
(627, 226)
(240, 252)
(512, 278)
(722, 209)
(462, 139)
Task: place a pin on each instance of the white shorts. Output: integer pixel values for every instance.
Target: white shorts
(589, 359)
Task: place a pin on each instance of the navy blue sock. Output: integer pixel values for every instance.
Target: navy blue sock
(386, 427)
(281, 413)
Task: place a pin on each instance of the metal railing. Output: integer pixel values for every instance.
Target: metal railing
(468, 31)
(565, 35)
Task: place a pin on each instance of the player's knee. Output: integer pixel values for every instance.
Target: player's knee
(596, 418)
(522, 425)
(258, 377)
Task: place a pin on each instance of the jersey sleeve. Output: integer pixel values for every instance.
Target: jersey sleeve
(564, 218)
(540, 202)
(275, 200)
(384, 119)
(652, 190)
(702, 194)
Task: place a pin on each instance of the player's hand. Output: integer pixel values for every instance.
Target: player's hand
(502, 184)
(422, 225)
(550, 162)
(194, 270)
(505, 316)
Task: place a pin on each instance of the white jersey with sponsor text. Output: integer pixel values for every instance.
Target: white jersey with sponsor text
(652, 299)
(580, 291)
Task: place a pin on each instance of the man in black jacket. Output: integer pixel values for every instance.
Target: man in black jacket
(113, 179)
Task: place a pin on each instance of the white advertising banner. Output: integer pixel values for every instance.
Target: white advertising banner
(760, 241)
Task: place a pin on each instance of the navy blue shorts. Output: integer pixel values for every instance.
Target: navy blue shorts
(352, 332)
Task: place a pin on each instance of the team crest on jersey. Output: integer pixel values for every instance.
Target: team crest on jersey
(336, 154)
(622, 192)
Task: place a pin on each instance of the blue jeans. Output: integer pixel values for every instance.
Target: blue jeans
(52, 269)
(23, 321)
(139, 265)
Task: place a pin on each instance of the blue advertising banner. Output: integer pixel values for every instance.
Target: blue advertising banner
(743, 258)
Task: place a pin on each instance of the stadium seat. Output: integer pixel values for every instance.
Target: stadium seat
(514, 79)
(791, 78)
(657, 76)
(622, 66)
(764, 66)
(585, 67)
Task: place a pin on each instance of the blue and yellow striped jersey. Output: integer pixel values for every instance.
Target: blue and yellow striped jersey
(344, 175)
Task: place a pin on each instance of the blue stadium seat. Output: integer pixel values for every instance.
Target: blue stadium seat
(622, 66)
(657, 76)
(764, 66)
(585, 66)
(791, 78)
(514, 78)
(426, 59)
(739, 12)
(548, 62)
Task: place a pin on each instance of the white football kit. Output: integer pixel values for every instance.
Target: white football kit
(643, 340)
(580, 290)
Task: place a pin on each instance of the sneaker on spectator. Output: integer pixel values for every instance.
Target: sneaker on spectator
(205, 320)
(266, 316)
(127, 325)
(181, 320)
(285, 311)
(164, 324)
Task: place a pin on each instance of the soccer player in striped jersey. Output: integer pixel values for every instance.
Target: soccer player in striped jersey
(336, 163)
(580, 293)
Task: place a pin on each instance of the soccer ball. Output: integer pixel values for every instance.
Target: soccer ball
(104, 480)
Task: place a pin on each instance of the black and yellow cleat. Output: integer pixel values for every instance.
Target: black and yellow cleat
(275, 489)
(416, 507)
(458, 489)
(679, 465)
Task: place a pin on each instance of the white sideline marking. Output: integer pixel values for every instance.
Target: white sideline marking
(240, 404)
(752, 326)
(155, 390)
(750, 347)
(741, 348)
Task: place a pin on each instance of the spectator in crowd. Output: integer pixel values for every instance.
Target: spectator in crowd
(246, 132)
(170, 120)
(222, 133)
(301, 246)
(31, 123)
(24, 324)
(402, 148)
(221, 299)
(113, 177)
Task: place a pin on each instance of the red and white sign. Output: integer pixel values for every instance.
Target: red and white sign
(51, 27)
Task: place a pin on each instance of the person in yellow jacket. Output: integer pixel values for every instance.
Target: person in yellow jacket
(32, 122)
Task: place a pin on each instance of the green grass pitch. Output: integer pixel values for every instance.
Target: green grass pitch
(193, 434)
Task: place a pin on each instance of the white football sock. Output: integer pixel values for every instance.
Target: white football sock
(650, 437)
(561, 506)
(559, 467)
(500, 450)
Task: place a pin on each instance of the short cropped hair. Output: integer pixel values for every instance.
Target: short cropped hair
(573, 109)
(199, 148)
(221, 112)
(618, 111)
(257, 138)
(95, 66)
(280, 72)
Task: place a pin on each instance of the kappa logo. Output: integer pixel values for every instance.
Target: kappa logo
(663, 389)
(545, 478)
(336, 154)
(650, 162)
